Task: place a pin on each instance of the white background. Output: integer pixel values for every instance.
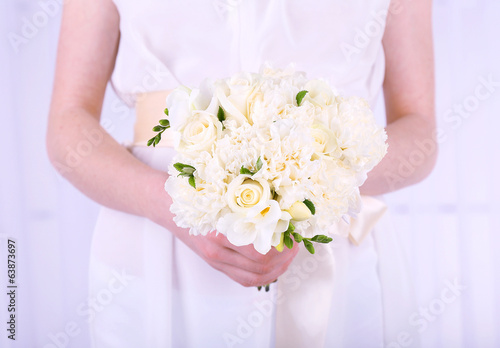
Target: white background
(449, 224)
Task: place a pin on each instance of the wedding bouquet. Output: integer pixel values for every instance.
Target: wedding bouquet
(268, 159)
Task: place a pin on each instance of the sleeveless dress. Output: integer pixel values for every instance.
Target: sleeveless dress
(149, 289)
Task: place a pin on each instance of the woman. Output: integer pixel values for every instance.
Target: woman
(181, 290)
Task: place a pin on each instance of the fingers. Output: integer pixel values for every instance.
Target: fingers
(254, 271)
(273, 257)
(243, 264)
(247, 278)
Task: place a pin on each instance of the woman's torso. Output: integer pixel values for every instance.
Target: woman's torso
(168, 43)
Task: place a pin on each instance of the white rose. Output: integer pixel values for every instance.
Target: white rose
(182, 102)
(199, 133)
(241, 87)
(244, 193)
(319, 93)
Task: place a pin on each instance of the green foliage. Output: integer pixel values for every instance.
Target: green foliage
(300, 96)
(258, 166)
(187, 171)
(310, 206)
(160, 128)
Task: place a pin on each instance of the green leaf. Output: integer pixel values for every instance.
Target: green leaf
(150, 141)
(300, 96)
(274, 195)
(321, 239)
(157, 139)
(259, 288)
(221, 115)
(191, 181)
(165, 123)
(184, 168)
(291, 228)
(297, 237)
(258, 165)
(243, 170)
(247, 171)
(179, 166)
(166, 111)
(288, 241)
(309, 246)
(158, 128)
(310, 205)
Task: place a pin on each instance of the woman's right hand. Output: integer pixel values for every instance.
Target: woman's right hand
(242, 264)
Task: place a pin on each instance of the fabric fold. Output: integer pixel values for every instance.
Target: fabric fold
(304, 304)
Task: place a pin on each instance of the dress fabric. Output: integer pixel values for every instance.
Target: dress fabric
(153, 291)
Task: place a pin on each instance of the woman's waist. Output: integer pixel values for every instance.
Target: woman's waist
(149, 109)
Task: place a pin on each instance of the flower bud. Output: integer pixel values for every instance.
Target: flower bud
(299, 211)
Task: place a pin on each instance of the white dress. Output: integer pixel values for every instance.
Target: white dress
(150, 289)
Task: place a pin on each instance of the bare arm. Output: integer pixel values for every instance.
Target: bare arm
(87, 49)
(107, 172)
(409, 99)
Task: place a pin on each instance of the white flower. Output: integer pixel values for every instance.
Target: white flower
(261, 226)
(319, 93)
(325, 141)
(361, 140)
(178, 104)
(241, 86)
(197, 209)
(199, 133)
(321, 150)
(204, 98)
(231, 111)
(299, 211)
(244, 193)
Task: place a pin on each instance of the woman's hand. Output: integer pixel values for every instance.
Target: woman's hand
(242, 264)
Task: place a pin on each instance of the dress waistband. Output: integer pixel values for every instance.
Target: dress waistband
(149, 109)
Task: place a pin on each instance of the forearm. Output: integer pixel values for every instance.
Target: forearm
(410, 158)
(87, 156)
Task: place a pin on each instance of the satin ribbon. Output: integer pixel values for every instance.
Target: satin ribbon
(371, 211)
(149, 109)
(303, 308)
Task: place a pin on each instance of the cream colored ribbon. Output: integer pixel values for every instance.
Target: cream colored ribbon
(149, 110)
(304, 302)
(372, 210)
(303, 305)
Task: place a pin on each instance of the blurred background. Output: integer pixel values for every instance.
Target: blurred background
(449, 224)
